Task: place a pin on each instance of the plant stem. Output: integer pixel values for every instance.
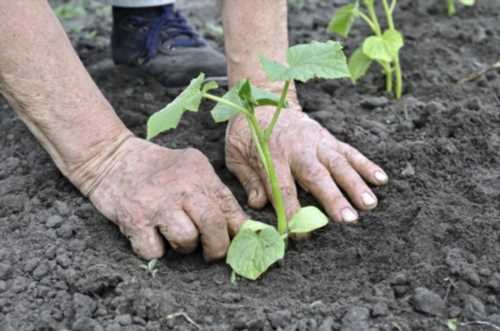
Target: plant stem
(256, 135)
(397, 67)
(368, 21)
(388, 15)
(279, 205)
(284, 93)
(225, 102)
(374, 19)
(393, 5)
(451, 8)
(388, 76)
(399, 78)
(262, 146)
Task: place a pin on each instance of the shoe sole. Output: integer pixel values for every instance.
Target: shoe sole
(108, 68)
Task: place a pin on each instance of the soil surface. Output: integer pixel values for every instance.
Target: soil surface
(429, 253)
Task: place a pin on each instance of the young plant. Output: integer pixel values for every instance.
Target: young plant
(258, 245)
(451, 5)
(382, 47)
(151, 267)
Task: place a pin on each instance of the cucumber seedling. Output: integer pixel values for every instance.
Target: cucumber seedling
(151, 267)
(451, 5)
(258, 245)
(381, 47)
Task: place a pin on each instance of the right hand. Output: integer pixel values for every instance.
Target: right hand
(151, 190)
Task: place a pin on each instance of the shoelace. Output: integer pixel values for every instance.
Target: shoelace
(174, 25)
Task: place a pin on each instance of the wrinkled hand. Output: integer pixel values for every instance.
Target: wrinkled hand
(151, 190)
(304, 150)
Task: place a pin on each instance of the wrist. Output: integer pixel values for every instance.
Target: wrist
(87, 174)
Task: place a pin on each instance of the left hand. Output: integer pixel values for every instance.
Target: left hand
(302, 149)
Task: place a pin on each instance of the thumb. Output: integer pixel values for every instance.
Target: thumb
(256, 192)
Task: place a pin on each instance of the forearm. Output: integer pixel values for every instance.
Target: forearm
(44, 81)
(252, 29)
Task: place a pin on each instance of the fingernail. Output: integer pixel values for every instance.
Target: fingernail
(381, 176)
(368, 199)
(349, 216)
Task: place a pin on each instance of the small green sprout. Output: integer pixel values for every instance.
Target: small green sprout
(453, 324)
(382, 47)
(151, 267)
(258, 245)
(451, 5)
(68, 11)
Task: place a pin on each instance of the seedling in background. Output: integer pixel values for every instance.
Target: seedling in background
(451, 5)
(151, 267)
(258, 245)
(382, 47)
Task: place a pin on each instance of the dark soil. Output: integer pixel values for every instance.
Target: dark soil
(429, 253)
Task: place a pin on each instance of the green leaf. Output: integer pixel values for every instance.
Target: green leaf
(152, 264)
(243, 89)
(253, 252)
(307, 219)
(209, 86)
(274, 70)
(358, 64)
(170, 116)
(374, 47)
(393, 40)
(255, 226)
(468, 2)
(221, 112)
(265, 98)
(246, 95)
(453, 324)
(307, 61)
(343, 19)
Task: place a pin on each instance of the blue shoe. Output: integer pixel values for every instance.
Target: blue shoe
(160, 42)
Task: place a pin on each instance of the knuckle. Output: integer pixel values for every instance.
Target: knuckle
(235, 165)
(194, 154)
(337, 161)
(227, 202)
(354, 155)
(252, 182)
(288, 190)
(213, 219)
(313, 175)
(339, 201)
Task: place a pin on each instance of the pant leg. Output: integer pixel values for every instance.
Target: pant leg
(137, 3)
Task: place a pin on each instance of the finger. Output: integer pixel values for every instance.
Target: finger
(366, 168)
(211, 224)
(256, 192)
(348, 179)
(286, 185)
(234, 215)
(146, 242)
(179, 231)
(315, 178)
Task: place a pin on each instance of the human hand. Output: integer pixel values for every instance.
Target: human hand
(151, 190)
(304, 150)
